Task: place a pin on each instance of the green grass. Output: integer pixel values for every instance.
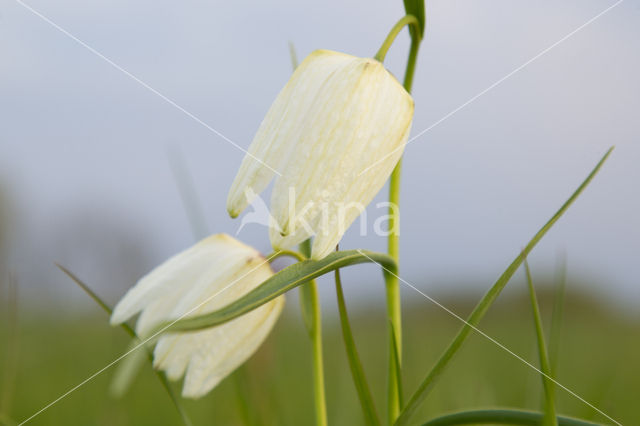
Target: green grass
(597, 358)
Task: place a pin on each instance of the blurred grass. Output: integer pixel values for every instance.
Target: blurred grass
(597, 358)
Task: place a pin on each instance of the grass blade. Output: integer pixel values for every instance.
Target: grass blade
(161, 376)
(549, 388)
(357, 372)
(493, 417)
(556, 317)
(481, 308)
(281, 282)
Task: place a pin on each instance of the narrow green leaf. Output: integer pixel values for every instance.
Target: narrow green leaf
(549, 388)
(161, 376)
(95, 298)
(281, 282)
(481, 308)
(416, 8)
(90, 293)
(556, 317)
(357, 372)
(509, 417)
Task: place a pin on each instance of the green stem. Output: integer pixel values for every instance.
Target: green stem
(386, 44)
(310, 306)
(511, 417)
(392, 282)
(549, 390)
(281, 253)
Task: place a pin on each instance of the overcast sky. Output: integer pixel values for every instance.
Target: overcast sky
(85, 148)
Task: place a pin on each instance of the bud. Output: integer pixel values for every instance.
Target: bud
(334, 134)
(215, 272)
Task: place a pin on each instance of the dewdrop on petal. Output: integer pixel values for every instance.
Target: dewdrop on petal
(334, 134)
(215, 272)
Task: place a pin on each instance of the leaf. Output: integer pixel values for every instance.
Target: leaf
(481, 308)
(416, 8)
(550, 406)
(510, 417)
(357, 372)
(283, 281)
(556, 317)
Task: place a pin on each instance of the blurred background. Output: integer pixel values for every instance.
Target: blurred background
(104, 176)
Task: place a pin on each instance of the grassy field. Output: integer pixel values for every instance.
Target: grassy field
(598, 359)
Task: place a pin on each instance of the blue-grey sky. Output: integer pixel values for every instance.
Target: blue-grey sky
(84, 148)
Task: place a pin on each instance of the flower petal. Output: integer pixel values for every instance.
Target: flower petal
(362, 115)
(222, 349)
(176, 275)
(277, 135)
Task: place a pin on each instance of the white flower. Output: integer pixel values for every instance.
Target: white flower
(213, 273)
(334, 134)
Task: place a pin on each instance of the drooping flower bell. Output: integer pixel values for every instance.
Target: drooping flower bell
(333, 135)
(215, 272)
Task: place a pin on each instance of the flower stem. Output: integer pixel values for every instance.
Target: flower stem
(386, 44)
(310, 306)
(281, 253)
(393, 246)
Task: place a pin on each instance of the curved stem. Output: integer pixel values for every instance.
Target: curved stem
(386, 44)
(512, 417)
(281, 253)
(393, 246)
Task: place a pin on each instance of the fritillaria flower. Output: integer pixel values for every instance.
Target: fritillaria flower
(215, 272)
(333, 135)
